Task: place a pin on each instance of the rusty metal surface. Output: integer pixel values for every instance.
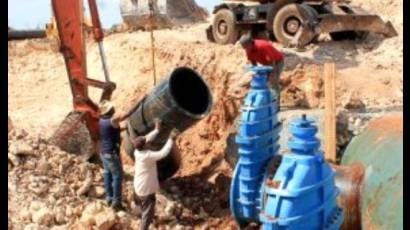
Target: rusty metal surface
(379, 149)
(370, 23)
(349, 181)
(73, 136)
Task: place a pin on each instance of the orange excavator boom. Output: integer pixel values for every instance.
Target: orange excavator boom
(69, 16)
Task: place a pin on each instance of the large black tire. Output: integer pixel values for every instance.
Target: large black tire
(289, 19)
(274, 10)
(224, 28)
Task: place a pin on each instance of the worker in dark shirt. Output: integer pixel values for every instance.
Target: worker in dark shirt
(262, 52)
(110, 131)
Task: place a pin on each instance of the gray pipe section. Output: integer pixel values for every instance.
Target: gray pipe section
(180, 101)
(25, 34)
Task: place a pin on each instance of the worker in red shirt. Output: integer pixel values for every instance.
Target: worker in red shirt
(262, 52)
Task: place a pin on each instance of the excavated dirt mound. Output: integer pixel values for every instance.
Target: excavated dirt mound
(136, 14)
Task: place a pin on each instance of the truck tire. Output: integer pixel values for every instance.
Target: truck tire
(209, 34)
(223, 27)
(289, 19)
(274, 10)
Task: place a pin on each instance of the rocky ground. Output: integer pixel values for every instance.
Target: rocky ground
(50, 189)
(56, 190)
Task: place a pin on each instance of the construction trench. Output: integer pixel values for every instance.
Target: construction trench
(51, 189)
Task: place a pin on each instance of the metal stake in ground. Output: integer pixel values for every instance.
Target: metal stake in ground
(151, 9)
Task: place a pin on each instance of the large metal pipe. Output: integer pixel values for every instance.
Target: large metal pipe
(25, 34)
(379, 152)
(179, 101)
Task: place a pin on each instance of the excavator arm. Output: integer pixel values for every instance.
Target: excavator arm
(69, 17)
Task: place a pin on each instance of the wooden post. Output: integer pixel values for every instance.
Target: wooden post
(330, 111)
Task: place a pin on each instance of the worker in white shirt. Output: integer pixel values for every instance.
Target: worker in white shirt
(145, 178)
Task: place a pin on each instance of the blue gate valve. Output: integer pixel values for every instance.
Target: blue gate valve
(257, 139)
(301, 194)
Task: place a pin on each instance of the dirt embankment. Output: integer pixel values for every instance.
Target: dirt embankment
(38, 84)
(136, 14)
(221, 67)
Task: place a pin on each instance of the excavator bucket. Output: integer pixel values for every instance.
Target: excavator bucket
(345, 17)
(73, 136)
(343, 21)
(167, 13)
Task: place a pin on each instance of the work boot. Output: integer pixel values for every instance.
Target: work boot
(109, 202)
(117, 206)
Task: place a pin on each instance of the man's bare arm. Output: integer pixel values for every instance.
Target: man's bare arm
(118, 118)
(123, 127)
(121, 116)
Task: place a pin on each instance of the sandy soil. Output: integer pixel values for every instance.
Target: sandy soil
(39, 97)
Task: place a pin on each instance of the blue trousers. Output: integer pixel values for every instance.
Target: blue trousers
(112, 177)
